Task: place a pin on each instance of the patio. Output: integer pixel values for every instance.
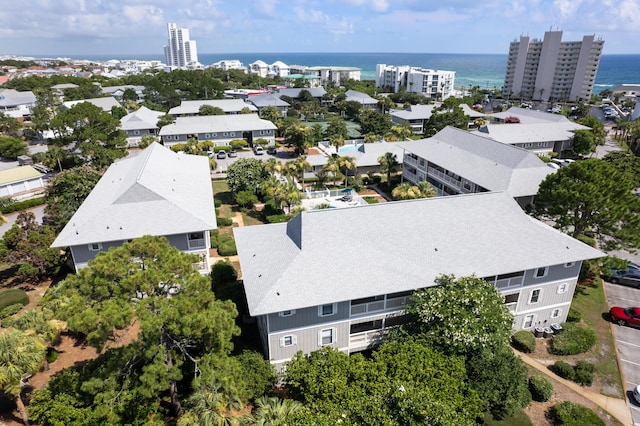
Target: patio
(336, 199)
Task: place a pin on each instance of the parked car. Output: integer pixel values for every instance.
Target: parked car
(221, 155)
(233, 153)
(624, 316)
(257, 150)
(272, 150)
(630, 276)
(636, 394)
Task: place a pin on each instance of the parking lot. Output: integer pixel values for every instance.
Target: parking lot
(627, 342)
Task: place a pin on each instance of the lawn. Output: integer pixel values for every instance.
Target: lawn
(520, 418)
(12, 296)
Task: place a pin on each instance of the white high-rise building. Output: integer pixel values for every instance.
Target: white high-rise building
(552, 69)
(180, 51)
(435, 84)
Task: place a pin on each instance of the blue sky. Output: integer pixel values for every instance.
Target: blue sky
(129, 27)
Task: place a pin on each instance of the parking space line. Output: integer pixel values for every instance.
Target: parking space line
(623, 298)
(630, 362)
(628, 343)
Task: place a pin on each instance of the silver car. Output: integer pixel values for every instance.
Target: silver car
(630, 277)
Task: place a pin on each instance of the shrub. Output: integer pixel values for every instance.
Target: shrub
(370, 200)
(223, 221)
(13, 296)
(584, 373)
(226, 246)
(571, 414)
(223, 272)
(564, 370)
(238, 144)
(10, 310)
(217, 203)
(575, 339)
(246, 199)
(541, 388)
(573, 315)
(524, 341)
(178, 147)
(219, 148)
(52, 355)
(590, 241)
(23, 205)
(277, 218)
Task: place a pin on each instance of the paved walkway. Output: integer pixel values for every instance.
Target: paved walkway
(618, 408)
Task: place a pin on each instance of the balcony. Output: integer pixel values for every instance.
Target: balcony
(377, 306)
(367, 339)
(504, 283)
(444, 177)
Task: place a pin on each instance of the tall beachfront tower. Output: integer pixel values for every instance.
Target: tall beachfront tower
(552, 69)
(180, 52)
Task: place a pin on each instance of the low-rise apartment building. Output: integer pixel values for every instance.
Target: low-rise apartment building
(343, 277)
(435, 84)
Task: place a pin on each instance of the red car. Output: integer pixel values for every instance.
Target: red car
(624, 316)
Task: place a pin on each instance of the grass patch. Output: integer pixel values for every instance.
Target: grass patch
(590, 301)
(520, 418)
(13, 296)
(252, 218)
(370, 200)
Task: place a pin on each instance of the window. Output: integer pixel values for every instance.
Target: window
(562, 288)
(535, 296)
(528, 321)
(95, 246)
(511, 298)
(366, 326)
(289, 340)
(555, 313)
(326, 310)
(287, 313)
(326, 336)
(541, 272)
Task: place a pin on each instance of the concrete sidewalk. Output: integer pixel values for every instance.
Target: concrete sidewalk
(618, 408)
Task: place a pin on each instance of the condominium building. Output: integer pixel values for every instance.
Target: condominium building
(551, 69)
(180, 51)
(435, 84)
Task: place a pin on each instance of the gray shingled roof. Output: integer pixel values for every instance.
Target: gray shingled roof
(333, 255)
(490, 164)
(158, 192)
(316, 92)
(530, 115)
(266, 99)
(362, 98)
(143, 118)
(512, 133)
(11, 98)
(414, 112)
(227, 105)
(367, 154)
(217, 123)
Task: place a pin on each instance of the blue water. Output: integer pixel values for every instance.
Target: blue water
(483, 70)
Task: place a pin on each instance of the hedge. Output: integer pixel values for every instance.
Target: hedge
(223, 221)
(575, 339)
(524, 341)
(541, 388)
(573, 315)
(23, 205)
(564, 370)
(13, 296)
(239, 144)
(10, 310)
(571, 414)
(226, 245)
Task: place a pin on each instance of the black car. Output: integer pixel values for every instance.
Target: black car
(272, 150)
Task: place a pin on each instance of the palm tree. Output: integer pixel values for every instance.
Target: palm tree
(272, 166)
(336, 141)
(21, 354)
(347, 165)
(427, 190)
(333, 166)
(54, 156)
(210, 407)
(274, 411)
(287, 193)
(480, 122)
(299, 165)
(406, 191)
(388, 164)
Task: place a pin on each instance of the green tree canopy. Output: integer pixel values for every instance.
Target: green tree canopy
(155, 284)
(270, 113)
(627, 163)
(66, 192)
(461, 315)
(597, 128)
(336, 128)
(592, 196)
(388, 164)
(584, 142)
(210, 110)
(93, 132)
(246, 174)
(450, 117)
(11, 147)
(372, 121)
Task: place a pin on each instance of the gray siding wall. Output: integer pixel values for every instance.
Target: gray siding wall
(554, 273)
(307, 317)
(307, 340)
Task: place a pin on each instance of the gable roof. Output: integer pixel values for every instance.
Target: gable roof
(367, 154)
(266, 99)
(414, 112)
(227, 105)
(105, 103)
(316, 92)
(528, 116)
(334, 255)
(488, 163)
(143, 118)
(12, 98)
(362, 98)
(512, 133)
(158, 192)
(217, 123)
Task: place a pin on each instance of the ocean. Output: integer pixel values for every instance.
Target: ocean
(483, 70)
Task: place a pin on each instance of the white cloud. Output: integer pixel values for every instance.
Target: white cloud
(376, 5)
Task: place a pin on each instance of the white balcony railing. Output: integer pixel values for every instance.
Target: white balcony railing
(367, 339)
(195, 244)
